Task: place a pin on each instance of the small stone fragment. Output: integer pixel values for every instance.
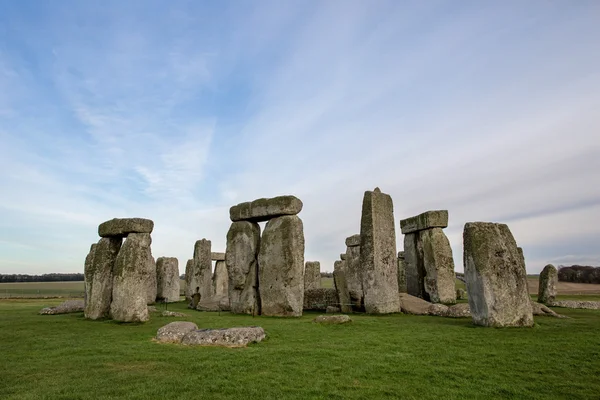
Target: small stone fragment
(228, 337)
(69, 306)
(332, 319)
(167, 313)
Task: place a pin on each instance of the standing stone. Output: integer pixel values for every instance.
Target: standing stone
(88, 272)
(101, 282)
(312, 275)
(439, 266)
(203, 269)
(281, 272)
(167, 277)
(340, 283)
(496, 276)
(189, 280)
(130, 283)
(354, 272)
(547, 287)
(243, 240)
(378, 254)
(152, 290)
(221, 280)
(401, 273)
(415, 266)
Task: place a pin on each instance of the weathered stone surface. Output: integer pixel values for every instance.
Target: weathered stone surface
(332, 310)
(88, 272)
(496, 276)
(227, 337)
(426, 220)
(378, 256)
(341, 286)
(461, 294)
(130, 280)
(312, 275)
(69, 306)
(124, 226)
(203, 268)
(319, 299)
(415, 266)
(152, 309)
(401, 273)
(152, 289)
(221, 280)
(281, 272)
(343, 256)
(172, 314)
(541, 309)
(189, 280)
(353, 240)
(265, 209)
(440, 279)
(353, 272)
(547, 286)
(215, 303)
(417, 306)
(175, 331)
(461, 310)
(243, 241)
(101, 288)
(587, 305)
(413, 305)
(332, 319)
(167, 274)
(217, 256)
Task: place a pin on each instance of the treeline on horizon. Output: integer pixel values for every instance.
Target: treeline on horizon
(9, 278)
(579, 274)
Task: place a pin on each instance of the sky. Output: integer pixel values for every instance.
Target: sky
(176, 111)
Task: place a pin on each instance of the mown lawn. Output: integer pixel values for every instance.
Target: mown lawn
(396, 356)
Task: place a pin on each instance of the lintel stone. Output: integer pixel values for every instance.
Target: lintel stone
(353, 240)
(125, 226)
(265, 209)
(426, 220)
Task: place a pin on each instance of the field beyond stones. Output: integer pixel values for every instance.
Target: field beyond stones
(394, 356)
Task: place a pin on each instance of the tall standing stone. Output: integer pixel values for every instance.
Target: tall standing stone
(547, 285)
(101, 286)
(312, 275)
(353, 272)
(88, 272)
(189, 281)
(401, 273)
(243, 240)
(152, 290)
(281, 272)
(341, 286)
(440, 279)
(415, 266)
(221, 280)
(130, 282)
(203, 268)
(378, 254)
(167, 277)
(496, 276)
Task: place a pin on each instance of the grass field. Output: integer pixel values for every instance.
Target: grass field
(396, 356)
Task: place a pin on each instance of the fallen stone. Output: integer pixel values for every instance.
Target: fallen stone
(440, 279)
(124, 226)
(401, 273)
(332, 319)
(167, 313)
(354, 278)
(541, 309)
(426, 220)
(243, 241)
(353, 240)
(461, 310)
(586, 305)
(332, 310)
(168, 283)
(265, 209)
(228, 337)
(378, 254)
(320, 299)
(547, 285)
(217, 256)
(221, 280)
(417, 306)
(413, 305)
(312, 275)
(152, 290)
(175, 331)
(98, 301)
(496, 276)
(189, 276)
(281, 272)
(69, 306)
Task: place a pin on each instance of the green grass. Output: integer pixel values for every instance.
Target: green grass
(396, 356)
(41, 289)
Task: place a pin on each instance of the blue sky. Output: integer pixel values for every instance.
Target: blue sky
(176, 111)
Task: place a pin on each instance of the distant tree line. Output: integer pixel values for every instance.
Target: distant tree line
(7, 278)
(326, 274)
(579, 274)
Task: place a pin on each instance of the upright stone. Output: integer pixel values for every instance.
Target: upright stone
(378, 254)
(281, 272)
(401, 273)
(190, 282)
(167, 274)
(88, 272)
(130, 283)
(496, 276)
(243, 239)
(152, 290)
(439, 266)
(203, 268)
(547, 285)
(341, 286)
(312, 275)
(353, 272)
(101, 283)
(221, 280)
(415, 266)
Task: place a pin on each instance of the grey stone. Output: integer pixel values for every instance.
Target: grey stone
(281, 272)
(265, 209)
(547, 286)
(341, 286)
(426, 220)
(401, 273)
(88, 272)
(124, 226)
(221, 280)
(332, 319)
(175, 331)
(439, 281)
(413, 305)
(586, 305)
(378, 254)
(353, 272)
(130, 280)
(312, 275)
(66, 307)
(168, 284)
(227, 337)
(172, 314)
(152, 289)
(343, 256)
(353, 240)
(415, 266)
(319, 299)
(215, 303)
(461, 294)
(217, 256)
(496, 276)
(541, 309)
(98, 301)
(243, 241)
(152, 309)
(203, 268)
(332, 310)
(189, 280)
(417, 306)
